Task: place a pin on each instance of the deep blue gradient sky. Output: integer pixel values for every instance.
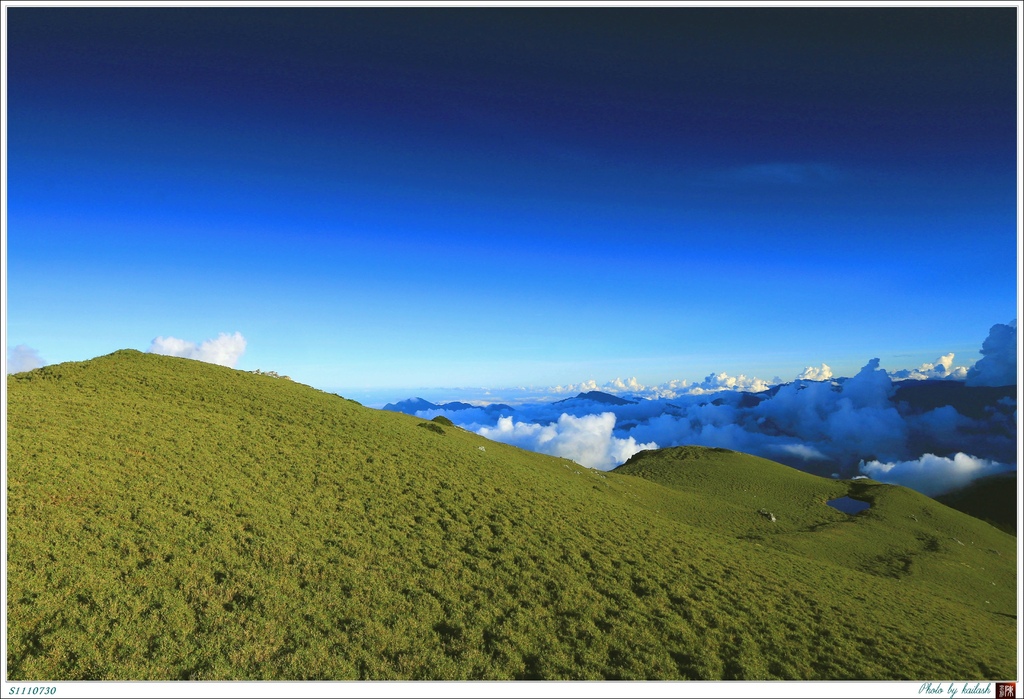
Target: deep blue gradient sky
(400, 197)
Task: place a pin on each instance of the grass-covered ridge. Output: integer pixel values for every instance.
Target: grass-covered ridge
(169, 519)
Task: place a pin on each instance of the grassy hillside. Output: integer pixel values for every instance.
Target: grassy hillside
(169, 519)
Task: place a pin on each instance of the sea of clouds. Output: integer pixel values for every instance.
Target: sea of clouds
(861, 425)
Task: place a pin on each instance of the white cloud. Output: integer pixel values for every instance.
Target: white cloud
(713, 383)
(587, 440)
(998, 365)
(934, 475)
(630, 384)
(942, 369)
(942, 365)
(803, 451)
(224, 350)
(823, 373)
(574, 388)
(23, 358)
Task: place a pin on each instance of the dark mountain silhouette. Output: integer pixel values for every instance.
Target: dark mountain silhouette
(597, 397)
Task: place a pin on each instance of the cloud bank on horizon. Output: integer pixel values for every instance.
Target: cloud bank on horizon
(999, 371)
(712, 383)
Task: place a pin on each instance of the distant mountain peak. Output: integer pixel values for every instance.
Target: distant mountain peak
(410, 406)
(599, 397)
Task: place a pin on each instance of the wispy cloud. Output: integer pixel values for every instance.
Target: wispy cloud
(23, 358)
(224, 349)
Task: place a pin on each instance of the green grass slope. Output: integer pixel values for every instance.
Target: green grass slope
(169, 519)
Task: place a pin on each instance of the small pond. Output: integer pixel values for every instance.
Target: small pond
(849, 505)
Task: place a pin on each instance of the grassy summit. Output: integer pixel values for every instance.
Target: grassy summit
(169, 519)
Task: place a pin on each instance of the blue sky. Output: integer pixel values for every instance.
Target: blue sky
(395, 197)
